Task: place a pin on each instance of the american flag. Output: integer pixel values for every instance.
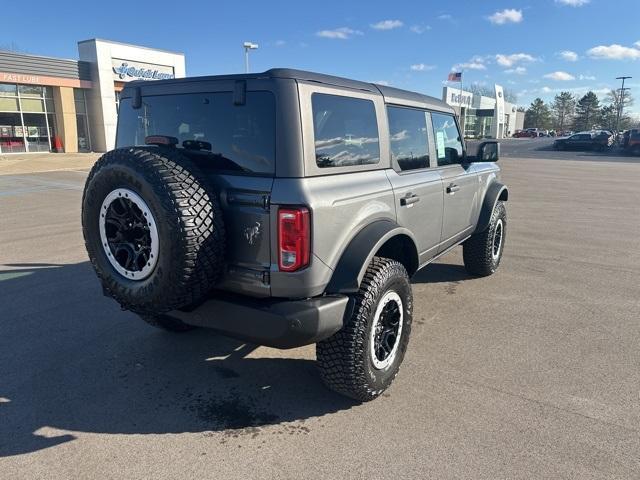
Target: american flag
(455, 77)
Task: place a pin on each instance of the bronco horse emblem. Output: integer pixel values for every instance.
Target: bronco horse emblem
(252, 233)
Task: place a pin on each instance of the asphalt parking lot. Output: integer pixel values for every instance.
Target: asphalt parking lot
(531, 373)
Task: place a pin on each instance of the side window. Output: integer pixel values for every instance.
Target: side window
(345, 131)
(448, 142)
(408, 137)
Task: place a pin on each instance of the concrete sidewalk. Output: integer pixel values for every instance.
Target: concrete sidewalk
(45, 162)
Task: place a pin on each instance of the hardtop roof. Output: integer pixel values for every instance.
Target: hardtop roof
(388, 92)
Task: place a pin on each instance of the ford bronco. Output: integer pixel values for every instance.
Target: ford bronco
(288, 208)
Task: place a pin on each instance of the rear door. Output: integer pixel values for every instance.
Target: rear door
(231, 138)
(416, 186)
(460, 182)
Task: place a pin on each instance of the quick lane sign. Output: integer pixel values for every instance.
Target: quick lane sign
(125, 71)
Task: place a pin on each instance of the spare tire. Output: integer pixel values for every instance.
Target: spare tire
(153, 229)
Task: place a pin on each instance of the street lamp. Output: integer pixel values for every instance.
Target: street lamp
(248, 46)
(620, 103)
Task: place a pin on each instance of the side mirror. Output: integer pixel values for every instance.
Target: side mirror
(488, 152)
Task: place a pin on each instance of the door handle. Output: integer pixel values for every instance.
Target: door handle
(452, 188)
(409, 199)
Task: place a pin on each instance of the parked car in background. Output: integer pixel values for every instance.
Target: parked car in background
(593, 140)
(631, 141)
(529, 133)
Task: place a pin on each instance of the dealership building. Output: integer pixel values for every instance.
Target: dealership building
(59, 105)
(482, 116)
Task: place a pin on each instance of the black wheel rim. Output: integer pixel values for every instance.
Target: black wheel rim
(128, 234)
(386, 330)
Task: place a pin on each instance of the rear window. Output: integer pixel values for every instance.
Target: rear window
(241, 137)
(345, 131)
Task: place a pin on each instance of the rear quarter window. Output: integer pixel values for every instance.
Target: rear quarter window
(345, 131)
(242, 137)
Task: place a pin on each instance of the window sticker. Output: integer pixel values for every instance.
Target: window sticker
(440, 144)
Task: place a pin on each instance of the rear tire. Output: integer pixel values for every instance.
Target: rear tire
(483, 251)
(183, 252)
(362, 360)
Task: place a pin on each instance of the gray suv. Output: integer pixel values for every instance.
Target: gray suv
(288, 208)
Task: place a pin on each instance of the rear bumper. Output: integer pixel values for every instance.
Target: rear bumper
(274, 323)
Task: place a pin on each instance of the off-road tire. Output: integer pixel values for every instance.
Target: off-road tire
(165, 322)
(477, 251)
(345, 359)
(189, 224)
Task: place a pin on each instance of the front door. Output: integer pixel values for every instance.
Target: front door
(459, 181)
(417, 187)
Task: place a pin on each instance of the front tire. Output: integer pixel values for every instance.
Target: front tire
(483, 251)
(362, 360)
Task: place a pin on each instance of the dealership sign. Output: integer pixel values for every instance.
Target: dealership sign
(125, 71)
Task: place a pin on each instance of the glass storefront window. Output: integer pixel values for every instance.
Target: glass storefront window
(35, 129)
(78, 96)
(82, 123)
(8, 89)
(30, 90)
(8, 104)
(32, 105)
(11, 133)
(24, 126)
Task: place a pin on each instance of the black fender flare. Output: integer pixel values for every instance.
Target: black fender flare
(355, 259)
(496, 191)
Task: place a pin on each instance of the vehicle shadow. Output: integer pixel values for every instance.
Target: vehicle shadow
(72, 361)
(441, 273)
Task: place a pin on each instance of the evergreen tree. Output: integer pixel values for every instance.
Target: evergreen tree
(563, 106)
(537, 115)
(587, 112)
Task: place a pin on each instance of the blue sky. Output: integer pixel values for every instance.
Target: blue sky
(408, 44)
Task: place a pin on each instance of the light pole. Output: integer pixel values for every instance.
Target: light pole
(620, 103)
(248, 46)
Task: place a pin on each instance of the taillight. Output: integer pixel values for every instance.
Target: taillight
(293, 238)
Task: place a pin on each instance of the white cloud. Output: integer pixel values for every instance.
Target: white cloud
(546, 90)
(516, 71)
(615, 52)
(419, 29)
(508, 15)
(511, 60)
(473, 65)
(444, 16)
(568, 55)
(280, 43)
(342, 33)
(560, 76)
(421, 67)
(586, 77)
(573, 3)
(387, 25)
